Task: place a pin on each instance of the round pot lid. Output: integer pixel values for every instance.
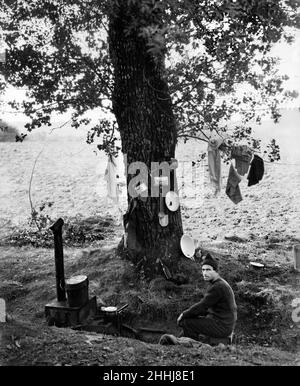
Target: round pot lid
(141, 188)
(187, 246)
(76, 279)
(256, 265)
(109, 309)
(172, 201)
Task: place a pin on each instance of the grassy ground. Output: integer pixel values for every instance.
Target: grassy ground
(265, 333)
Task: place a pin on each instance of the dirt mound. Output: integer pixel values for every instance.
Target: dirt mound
(263, 335)
(32, 345)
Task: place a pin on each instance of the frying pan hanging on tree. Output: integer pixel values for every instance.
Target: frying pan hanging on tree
(172, 198)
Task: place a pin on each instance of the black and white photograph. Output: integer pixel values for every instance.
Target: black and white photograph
(150, 186)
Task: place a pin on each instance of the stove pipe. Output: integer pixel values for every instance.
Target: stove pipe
(59, 259)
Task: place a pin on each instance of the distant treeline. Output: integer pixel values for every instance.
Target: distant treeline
(8, 133)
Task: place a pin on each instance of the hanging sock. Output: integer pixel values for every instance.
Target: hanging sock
(242, 155)
(257, 170)
(214, 163)
(114, 178)
(114, 184)
(232, 188)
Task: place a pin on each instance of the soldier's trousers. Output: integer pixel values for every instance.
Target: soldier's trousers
(193, 327)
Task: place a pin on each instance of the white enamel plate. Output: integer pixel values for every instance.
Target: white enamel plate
(187, 246)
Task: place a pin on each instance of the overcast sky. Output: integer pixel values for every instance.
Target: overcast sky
(290, 62)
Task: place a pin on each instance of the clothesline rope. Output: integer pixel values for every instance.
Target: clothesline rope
(276, 163)
(281, 163)
(255, 151)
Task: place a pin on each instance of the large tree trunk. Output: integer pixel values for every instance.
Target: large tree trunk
(143, 109)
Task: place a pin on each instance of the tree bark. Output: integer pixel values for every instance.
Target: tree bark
(143, 110)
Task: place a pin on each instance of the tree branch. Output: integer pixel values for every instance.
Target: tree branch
(192, 137)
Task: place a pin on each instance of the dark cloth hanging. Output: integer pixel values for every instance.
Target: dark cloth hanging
(242, 155)
(232, 188)
(256, 171)
(214, 163)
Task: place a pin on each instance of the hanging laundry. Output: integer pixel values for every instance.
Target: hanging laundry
(242, 155)
(112, 178)
(214, 163)
(2, 56)
(3, 47)
(112, 191)
(232, 188)
(256, 171)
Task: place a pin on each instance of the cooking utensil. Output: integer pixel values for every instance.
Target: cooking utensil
(162, 216)
(187, 246)
(141, 188)
(256, 265)
(109, 309)
(161, 180)
(166, 271)
(172, 201)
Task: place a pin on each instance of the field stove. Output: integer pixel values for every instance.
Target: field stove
(108, 320)
(76, 307)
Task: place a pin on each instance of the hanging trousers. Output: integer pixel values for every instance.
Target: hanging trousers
(193, 327)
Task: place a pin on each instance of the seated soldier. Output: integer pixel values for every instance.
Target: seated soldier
(215, 315)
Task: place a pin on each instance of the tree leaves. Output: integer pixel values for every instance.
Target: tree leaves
(211, 48)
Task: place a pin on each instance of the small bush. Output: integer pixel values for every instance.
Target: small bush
(77, 231)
